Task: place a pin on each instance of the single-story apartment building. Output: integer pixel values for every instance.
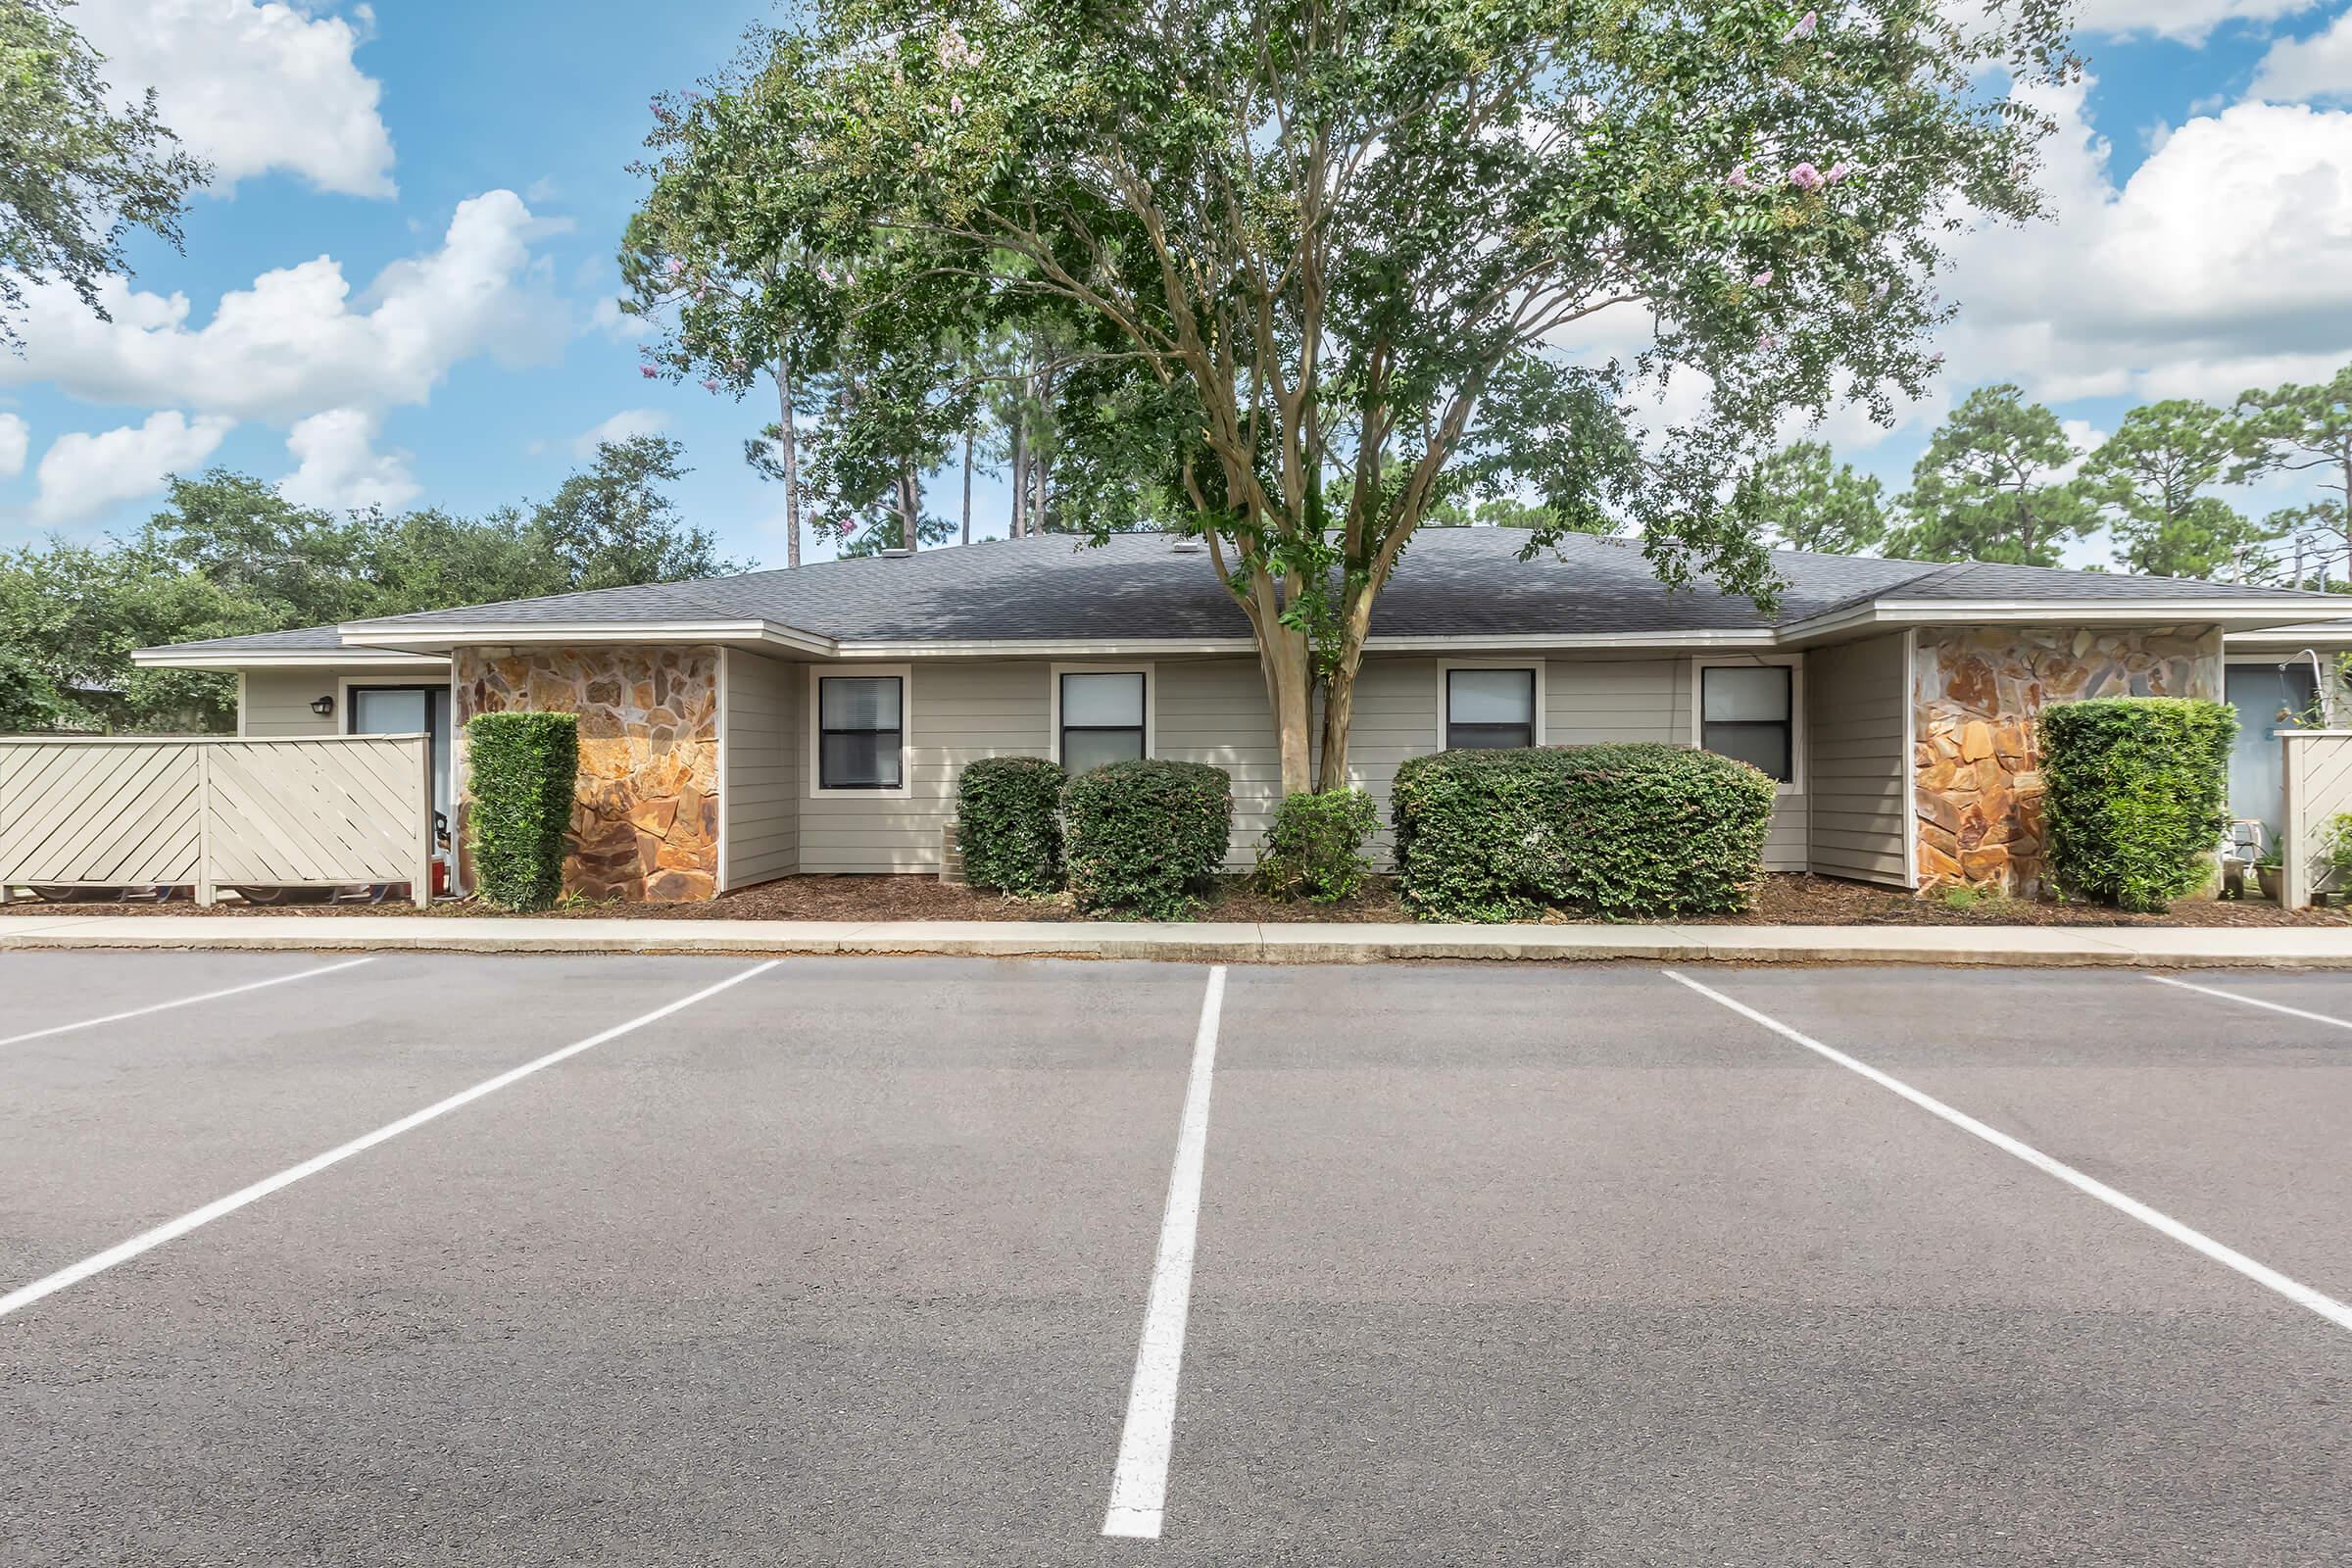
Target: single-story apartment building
(815, 720)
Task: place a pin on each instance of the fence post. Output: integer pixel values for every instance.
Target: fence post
(206, 892)
(421, 888)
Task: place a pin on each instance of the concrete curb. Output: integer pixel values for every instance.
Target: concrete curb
(2077, 947)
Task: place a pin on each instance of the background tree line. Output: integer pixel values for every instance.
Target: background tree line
(2001, 480)
(227, 555)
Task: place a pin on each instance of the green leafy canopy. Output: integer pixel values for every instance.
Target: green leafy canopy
(1331, 262)
(79, 169)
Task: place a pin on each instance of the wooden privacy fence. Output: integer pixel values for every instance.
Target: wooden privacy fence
(2318, 788)
(323, 811)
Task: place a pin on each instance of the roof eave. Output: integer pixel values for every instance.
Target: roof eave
(2245, 614)
(442, 637)
(371, 658)
(2296, 634)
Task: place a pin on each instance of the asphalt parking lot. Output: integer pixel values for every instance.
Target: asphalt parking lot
(441, 1259)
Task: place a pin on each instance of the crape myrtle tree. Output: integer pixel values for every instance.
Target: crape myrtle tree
(79, 169)
(1323, 251)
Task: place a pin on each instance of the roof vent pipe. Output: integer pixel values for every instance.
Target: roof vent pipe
(893, 552)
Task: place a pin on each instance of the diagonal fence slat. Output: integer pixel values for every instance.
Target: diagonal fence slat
(2318, 790)
(351, 810)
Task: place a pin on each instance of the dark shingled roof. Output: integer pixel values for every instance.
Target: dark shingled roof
(305, 639)
(1452, 582)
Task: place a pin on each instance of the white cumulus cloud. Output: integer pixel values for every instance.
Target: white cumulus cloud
(620, 427)
(82, 476)
(2223, 261)
(252, 87)
(2316, 67)
(338, 467)
(16, 437)
(2187, 21)
(298, 342)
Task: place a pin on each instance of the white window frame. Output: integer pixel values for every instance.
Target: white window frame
(1053, 674)
(1446, 668)
(1795, 664)
(813, 752)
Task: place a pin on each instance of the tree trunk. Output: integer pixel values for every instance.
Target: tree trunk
(1338, 713)
(1020, 476)
(1290, 690)
(788, 425)
(1036, 512)
(968, 487)
(911, 508)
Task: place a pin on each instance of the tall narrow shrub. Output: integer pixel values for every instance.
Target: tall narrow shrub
(520, 774)
(1008, 825)
(2137, 798)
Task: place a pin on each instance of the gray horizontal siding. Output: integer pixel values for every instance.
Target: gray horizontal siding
(760, 767)
(1854, 756)
(278, 703)
(958, 712)
(1214, 710)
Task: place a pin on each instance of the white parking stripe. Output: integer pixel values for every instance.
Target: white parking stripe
(2251, 1002)
(184, 1001)
(2303, 1295)
(1139, 1484)
(148, 1241)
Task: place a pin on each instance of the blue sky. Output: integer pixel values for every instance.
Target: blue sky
(461, 169)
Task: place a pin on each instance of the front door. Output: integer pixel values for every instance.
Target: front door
(2257, 768)
(409, 710)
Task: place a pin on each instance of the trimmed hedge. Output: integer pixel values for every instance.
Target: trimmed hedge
(522, 770)
(2136, 795)
(1006, 824)
(1629, 830)
(1314, 849)
(1142, 836)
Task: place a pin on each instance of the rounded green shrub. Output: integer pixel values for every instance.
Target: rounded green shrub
(522, 770)
(1142, 836)
(1007, 825)
(1621, 831)
(2137, 793)
(1314, 849)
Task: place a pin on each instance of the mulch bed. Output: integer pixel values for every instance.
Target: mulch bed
(1784, 900)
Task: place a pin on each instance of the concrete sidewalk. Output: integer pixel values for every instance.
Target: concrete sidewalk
(2172, 947)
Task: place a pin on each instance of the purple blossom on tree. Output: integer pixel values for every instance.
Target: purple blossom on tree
(1805, 177)
(1738, 179)
(1837, 171)
(1762, 280)
(647, 371)
(1803, 29)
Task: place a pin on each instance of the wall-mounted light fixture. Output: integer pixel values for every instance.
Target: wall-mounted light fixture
(322, 706)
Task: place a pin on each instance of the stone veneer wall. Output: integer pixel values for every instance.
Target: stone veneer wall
(645, 823)
(1976, 695)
